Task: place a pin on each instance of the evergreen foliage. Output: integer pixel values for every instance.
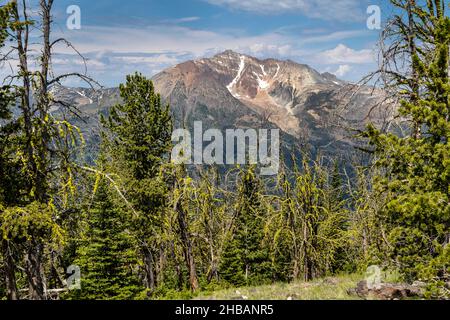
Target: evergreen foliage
(416, 166)
(246, 259)
(136, 146)
(106, 254)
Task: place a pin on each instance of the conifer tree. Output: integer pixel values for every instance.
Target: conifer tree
(245, 259)
(416, 165)
(106, 255)
(138, 145)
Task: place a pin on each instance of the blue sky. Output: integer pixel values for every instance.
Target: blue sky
(120, 37)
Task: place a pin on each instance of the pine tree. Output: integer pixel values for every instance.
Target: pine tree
(137, 146)
(336, 190)
(245, 259)
(417, 167)
(106, 255)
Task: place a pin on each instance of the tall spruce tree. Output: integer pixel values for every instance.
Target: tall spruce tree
(106, 255)
(245, 259)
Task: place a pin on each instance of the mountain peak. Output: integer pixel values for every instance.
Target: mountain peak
(230, 55)
(265, 86)
(228, 52)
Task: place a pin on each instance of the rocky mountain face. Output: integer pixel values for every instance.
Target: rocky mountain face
(232, 90)
(274, 90)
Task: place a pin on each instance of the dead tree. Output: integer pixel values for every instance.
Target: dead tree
(38, 127)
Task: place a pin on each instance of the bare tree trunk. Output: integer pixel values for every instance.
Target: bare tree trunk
(10, 275)
(180, 277)
(33, 262)
(186, 239)
(364, 242)
(213, 272)
(306, 262)
(22, 37)
(214, 268)
(295, 269)
(188, 252)
(177, 266)
(413, 51)
(161, 265)
(187, 247)
(149, 269)
(34, 253)
(44, 103)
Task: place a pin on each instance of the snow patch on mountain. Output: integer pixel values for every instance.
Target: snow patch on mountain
(238, 77)
(84, 96)
(263, 85)
(262, 69)
(278, 70)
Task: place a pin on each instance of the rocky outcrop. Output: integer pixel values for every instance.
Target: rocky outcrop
(387, 291)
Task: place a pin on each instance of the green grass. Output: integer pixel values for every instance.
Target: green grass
(330, 288)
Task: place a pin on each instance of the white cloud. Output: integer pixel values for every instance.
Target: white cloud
(264, 49)
(332, 36)
(110, 68)
(113, 52)
(149, 60)
(340, 10)
(182, 20)
(197, 42)
(77, 61)
(342, 70)
(345, 55)
(160, 39)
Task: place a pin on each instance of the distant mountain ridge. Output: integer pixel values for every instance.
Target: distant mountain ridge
(233, 90)
(270, 87)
